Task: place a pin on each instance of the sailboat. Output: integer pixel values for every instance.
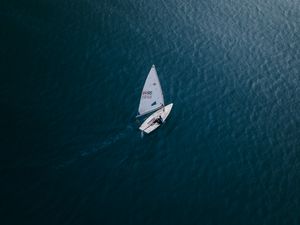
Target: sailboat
(152, 101)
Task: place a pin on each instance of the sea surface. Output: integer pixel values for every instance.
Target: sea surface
(71, 75)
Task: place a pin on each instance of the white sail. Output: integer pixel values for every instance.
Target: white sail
(152, 97)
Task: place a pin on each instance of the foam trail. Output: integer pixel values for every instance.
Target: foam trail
(112, 140)
(98, 146)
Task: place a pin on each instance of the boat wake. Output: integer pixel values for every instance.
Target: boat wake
(108, 142)
(97, 147)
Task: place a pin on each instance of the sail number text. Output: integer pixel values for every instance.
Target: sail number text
(147, 94)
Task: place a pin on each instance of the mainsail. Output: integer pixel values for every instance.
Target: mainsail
(152, 97)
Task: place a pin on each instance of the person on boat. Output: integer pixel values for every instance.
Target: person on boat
(158, 120)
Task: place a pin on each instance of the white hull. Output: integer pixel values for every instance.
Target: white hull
(148, 126)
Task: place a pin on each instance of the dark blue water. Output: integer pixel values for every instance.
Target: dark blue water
(71, 77)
